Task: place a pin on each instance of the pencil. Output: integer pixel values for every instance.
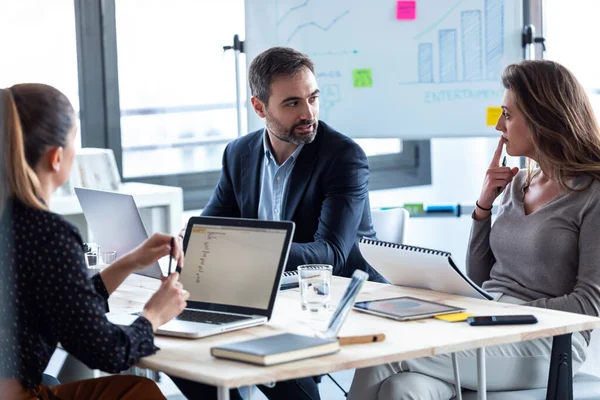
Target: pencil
(346, 340)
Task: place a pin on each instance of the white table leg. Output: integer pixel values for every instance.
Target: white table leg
(481, 389)
(456, 377)
(222, 393)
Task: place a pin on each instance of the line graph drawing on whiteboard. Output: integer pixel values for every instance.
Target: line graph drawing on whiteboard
(469, 52)
(319, 26)
(292, 21)
(291, 10)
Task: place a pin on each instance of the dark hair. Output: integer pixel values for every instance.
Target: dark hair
(36, 117)
(272, 63)
(560, 118)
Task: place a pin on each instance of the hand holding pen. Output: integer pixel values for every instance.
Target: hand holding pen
(175, 250)
(152, 249)
(497, 177)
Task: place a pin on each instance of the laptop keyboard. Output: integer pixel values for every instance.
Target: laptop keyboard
(208, 317)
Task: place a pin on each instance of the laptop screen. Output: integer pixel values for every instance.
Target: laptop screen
(232, 265)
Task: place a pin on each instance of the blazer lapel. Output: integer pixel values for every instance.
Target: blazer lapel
(251, 162)
(300, 177)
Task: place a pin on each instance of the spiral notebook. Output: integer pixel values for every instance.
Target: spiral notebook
(289, 280)
(419, 267)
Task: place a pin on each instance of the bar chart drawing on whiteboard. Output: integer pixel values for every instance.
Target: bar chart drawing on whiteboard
(471, 52)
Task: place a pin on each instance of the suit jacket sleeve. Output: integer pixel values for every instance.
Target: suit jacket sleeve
(346, 192)
(223, 203)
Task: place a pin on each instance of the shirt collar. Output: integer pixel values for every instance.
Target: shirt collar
(269, 156)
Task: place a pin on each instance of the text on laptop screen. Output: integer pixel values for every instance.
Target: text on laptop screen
(232, 265)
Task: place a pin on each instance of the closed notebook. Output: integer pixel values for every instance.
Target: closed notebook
(276, 349)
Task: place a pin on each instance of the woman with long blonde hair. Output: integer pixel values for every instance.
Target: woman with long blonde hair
(45, 294)
(543, 249)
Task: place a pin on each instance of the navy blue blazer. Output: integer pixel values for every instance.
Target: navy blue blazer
(327, 198)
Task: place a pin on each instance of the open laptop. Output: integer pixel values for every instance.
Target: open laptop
(115, 223)
(232, 270)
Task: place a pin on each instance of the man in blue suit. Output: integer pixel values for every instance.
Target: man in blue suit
(297, 169)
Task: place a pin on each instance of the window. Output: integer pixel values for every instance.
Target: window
(176, 84)
(161, 93)
(376, 147)
(38, 45)
(568, 30)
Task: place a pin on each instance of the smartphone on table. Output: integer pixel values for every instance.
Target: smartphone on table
(502, 320)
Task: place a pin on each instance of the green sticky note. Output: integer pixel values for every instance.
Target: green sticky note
(414, 208)
(363, 77)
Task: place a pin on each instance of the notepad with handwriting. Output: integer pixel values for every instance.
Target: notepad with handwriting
(276, 349)
(419, 267)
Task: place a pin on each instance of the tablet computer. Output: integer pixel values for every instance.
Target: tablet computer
(405, 308)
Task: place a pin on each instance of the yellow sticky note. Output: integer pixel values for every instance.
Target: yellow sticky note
(492, 115)
(456, 317)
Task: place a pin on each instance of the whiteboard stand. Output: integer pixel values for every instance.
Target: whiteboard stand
(529, 42)
(237, 47)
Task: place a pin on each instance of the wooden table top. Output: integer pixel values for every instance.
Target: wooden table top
(191, 359)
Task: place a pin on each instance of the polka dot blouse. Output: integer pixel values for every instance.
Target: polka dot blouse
(46, 298)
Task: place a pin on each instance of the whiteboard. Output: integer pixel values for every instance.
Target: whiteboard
(388, 69)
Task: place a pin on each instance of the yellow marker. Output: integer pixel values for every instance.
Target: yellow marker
(456, 317)
(492, 115)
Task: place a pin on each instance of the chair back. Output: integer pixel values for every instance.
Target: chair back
(390, 225)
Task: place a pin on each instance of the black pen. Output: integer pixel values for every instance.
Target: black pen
(171, 255)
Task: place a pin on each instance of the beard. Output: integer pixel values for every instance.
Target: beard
(289, 135)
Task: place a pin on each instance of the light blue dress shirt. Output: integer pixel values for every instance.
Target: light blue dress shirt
(274, 181)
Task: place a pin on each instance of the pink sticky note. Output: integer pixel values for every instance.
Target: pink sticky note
(406, 10)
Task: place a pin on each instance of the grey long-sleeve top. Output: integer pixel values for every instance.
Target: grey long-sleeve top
(549, 258)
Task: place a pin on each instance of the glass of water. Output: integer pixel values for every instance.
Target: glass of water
(315, 284)
(109, 256)
(92, 255)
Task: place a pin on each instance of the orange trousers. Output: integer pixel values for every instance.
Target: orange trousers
(117, 387)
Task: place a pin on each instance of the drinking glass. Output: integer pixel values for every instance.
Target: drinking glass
(92, 255)
(109, 256)
(315, 284)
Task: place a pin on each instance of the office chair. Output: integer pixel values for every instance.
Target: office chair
(390, 225)
(585, 387)
(586, 382)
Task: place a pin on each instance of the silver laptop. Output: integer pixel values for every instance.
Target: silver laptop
(232, 270)
(115, 223)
